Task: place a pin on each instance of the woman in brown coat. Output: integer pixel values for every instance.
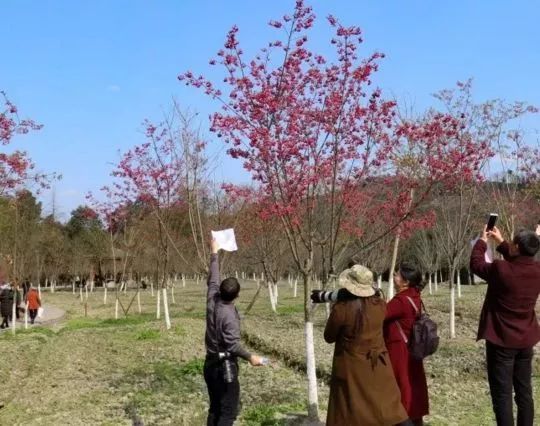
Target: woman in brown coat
(363, 389)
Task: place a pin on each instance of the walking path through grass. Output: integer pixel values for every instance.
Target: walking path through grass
(51, 314)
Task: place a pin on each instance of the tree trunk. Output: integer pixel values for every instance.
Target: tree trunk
(158, 309)
(116, 307)
(459, 284)
(183, 281)
(139, 300)
(14, 314)
(393, 268)
(295, 288)
(429, 283)
(253, 299)
(80, 293)
(379, 281)
(166, 309)
(452, 305)
(26, 316)
(104, 293)
(313, 399)
(436, 281)
(271, 295)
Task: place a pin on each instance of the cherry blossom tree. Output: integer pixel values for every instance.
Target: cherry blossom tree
(312, 131)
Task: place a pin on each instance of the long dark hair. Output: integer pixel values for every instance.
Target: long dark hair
(412, 274)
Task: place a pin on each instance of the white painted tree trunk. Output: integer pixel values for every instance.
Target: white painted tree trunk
(452, 310)
(276, 293)
(86, 291)
(14, 314)
(26, 316)
(104, 293)
(458, 285)
(166, 309)
(436, 281)
(52, 284)
(73, 286)
(379, 281)
(116, 306)
(80, 293)
(158, 308)
(393, 268)
(313, 399)
(183, 282)
(327, 310)
(271, 295)
(429, 284)
(152, 289)
(39, 291)
(172, 295)
(295, 288)
(139, 301)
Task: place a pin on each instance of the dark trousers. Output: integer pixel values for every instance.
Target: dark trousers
(33, 315)
(507, 369)
(224, 397)
(5, 321)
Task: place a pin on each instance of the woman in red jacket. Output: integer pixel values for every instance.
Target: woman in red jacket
(401, 313)
(34, 303)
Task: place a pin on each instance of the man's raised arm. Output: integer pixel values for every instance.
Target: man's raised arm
(213, 277)
(478, 263)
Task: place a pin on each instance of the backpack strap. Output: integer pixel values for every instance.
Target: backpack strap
(402, 332)
(416, 311)
(400, 329)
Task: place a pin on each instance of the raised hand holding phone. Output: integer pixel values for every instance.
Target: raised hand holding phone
(492, 221)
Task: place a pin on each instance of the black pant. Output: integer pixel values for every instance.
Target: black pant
(5, 321)
(33, 315)
(224, 397)
(509, 368)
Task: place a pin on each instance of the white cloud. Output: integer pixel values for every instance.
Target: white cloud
(113, 88)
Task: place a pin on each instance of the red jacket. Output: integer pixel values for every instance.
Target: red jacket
(409, 372)
(508, 318)
(33, 299)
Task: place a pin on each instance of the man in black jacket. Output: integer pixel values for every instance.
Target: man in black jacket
(223, 347)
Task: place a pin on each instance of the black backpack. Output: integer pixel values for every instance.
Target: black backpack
(424, 340)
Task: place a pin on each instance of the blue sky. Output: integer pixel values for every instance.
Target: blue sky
(91, 71)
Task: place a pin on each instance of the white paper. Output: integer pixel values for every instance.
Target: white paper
(40, 312)
(225, 239)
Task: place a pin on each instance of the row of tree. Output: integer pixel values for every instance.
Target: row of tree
(339, 173)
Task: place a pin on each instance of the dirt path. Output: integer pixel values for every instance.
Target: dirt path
(51, 314)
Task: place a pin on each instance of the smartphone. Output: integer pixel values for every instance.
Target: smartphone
(492, 221)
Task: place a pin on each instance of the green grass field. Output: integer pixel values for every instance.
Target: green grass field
(96, 370)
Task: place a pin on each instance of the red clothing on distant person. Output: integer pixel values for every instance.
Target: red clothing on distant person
(33, 299)
(409, 372)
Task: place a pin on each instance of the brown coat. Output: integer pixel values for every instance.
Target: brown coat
(363, 389)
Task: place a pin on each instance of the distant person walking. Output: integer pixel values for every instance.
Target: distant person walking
(6, 304)
(34, 303)
(363, 389)
(508, 321)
